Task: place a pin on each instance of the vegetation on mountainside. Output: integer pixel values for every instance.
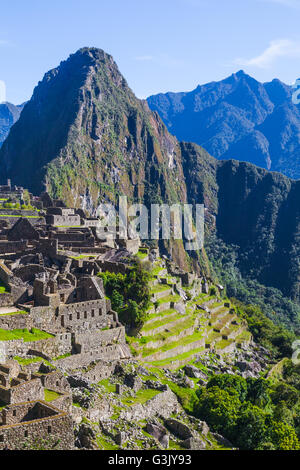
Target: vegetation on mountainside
(129, 294)
(226, 264)
(275, 338)
(254, 414)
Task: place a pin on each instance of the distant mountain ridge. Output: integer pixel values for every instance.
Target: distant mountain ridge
(9, 114)
(238, 118)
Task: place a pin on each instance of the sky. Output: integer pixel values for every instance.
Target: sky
(159, 45)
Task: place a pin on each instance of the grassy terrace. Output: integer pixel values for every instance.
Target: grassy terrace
(26, 216)
(155, 271)
(179, 357)
(3, 288)
(141, 255)
(19, 312)
(169, 298)
(164, 313)
(160, 288)
(142, 396)
(174, 331)
(26, 335)
(155, 324)
(50, 395)
(83, 256)
(31, 360)
(196, 336)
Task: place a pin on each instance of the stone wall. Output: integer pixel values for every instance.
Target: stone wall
(74, 316)
(93, 340)
(107, 353)
(6, 300)
(48, 432)
(12, 247)
(47, 348)
(29, 390)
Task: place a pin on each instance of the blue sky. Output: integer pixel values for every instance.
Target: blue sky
(166, 45)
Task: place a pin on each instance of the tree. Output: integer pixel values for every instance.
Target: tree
(251, 429)
(230, 382)
(283, 436)
(219, 408)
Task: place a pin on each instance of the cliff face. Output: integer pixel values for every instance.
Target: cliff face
(256, 210)
(239, 118)
(88, 137)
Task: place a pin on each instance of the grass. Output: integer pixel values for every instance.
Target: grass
(83, 256)
(31, 360)
(155, 271)
(105, 444)
(160, 288)
(165, 320)
(142, 396)
(169, 298)
(25, 216)
(32, 335)
(167, 347)
(179, 357)
(20, 312)
(50, 395)
(61, 357)
(141, 255)
(175, 330)
(162, 314)
(110, 388)
(3, 288)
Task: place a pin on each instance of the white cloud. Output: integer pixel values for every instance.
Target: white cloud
(276, 49)
(3, 42)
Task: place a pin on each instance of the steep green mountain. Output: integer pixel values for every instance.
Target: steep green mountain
(9, 114)
(88, 138)
(239, 118)
(255, 210)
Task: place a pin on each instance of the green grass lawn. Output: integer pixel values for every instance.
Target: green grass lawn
(26, 335)
(3, 288)
(169, 298)
(20, 312)
(141, 255)
(50, 395)
(141, 397)
(160, 288)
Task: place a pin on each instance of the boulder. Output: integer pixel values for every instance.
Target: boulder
(179, 428)
(194, 372)
(222, 440)
(193, 443)
(158, 431)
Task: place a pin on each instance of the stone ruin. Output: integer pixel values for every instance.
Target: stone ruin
(49, 268)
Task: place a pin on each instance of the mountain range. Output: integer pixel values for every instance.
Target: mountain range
(9, 114)
(238, 118)
(87, 139)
